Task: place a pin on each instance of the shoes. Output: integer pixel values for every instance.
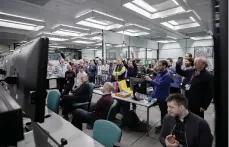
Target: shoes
(158, 129)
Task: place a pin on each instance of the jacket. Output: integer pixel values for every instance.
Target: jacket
(92, 71)
(131, 72)
(119, 72)
(161, 85)
(197, 131)
(102, 107)
(176, 78)
(83, 91)
(200, 93)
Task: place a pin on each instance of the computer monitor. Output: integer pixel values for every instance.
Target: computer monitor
(28, 63)
(138, 85)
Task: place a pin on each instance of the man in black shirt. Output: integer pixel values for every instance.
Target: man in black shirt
(69, 77)
(182, 128)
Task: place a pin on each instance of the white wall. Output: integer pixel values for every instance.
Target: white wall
(179, 49)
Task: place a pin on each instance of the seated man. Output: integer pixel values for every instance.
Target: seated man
(79, 95)
(182, 127)
(101, 109)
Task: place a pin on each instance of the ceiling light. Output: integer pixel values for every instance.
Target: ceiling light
(133, 34)
(168, 25)
(20, 22)
(96, 21)
(166, 41)
(197, 15)
(89, 24)
(80, 28)
(66, 33)
(139, 26)
(100, 44)
(57, 39)
(201, 37)
(173, 22)
(175, 2)
(108, 15)
(144, 5)
(168, 12)
(53, 46)
(171, 37)
(19, 25)
(137, 9)
(132, 31)
(192, 19)
(83, 42)
(108, 44)
(179, 27)
(96, 38)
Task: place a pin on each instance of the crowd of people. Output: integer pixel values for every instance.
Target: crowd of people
(184, 91)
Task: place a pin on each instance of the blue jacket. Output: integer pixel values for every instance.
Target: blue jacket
(161, 85)
(176, 78)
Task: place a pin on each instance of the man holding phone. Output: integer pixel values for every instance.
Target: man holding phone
(182, 128)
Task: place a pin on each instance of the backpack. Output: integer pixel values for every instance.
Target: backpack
(130, 119)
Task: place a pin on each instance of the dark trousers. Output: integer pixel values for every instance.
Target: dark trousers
(163, 109)
(67, 88)
(67, 102)
(61, 82)
(174, 90)
(92, 79)
(81, 116)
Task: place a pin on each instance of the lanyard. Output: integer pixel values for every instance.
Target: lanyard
(193, 76)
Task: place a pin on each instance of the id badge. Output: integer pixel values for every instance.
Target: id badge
(187, 86)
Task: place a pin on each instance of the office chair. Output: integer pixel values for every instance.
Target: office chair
(109, 115)
(77, 105)
(102, 133)
(53, 101)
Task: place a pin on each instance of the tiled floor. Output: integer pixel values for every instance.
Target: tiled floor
(136, 139)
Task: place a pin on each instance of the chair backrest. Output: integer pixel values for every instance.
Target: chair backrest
(53, 101)
(106, 132)
(111, 110)
(92, 86)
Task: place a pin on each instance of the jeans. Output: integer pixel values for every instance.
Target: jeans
(81, 116)
(61, 82)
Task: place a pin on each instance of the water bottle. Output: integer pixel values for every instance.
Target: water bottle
(149, 98)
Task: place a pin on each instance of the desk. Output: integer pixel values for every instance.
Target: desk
(58, 128)
(131, 100)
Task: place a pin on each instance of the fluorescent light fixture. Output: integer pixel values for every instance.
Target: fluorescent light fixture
(175, 2)
(90, 24)
(66, 32)
(54, 46)
(166, 41)
(201, 37)
(20, 22)
(132, 31)
(19, 25)
(96, 21)
(96, 38)
(83, 42)
(171, 37)
(197, 15)
(173, 22)
(192, 19)
(179, 27)
(139, 26)
(144, 5)
(121, 45)
(168, 12)
(20, 16)
(99, 44)
(108, 15)
(57, 39)
(137, 9)
(58, 25)
(108, 44)
(133, 34)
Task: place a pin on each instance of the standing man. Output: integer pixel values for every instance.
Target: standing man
(70, 78)
(62, 68)
(176, 79)
(199, 88)
(161, 85)
(92, 71)
(182, 128)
